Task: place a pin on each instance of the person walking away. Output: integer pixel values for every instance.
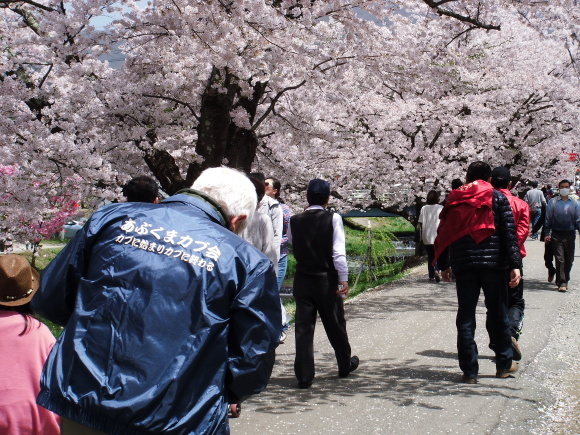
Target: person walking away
(25, 343)
(501, 181)
(562, 222)
(429, 221)
(536, 200)
(320, 283)
(477, 239)
(171, 320)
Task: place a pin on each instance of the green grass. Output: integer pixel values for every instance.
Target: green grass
(382, 236)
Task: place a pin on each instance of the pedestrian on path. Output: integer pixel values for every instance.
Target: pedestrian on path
(536, 200)
(320, 282)
(428, 223)
(562, 222)
(501, 181)
(477, 239)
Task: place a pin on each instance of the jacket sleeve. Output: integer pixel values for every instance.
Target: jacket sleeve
(254, 333)
(507, 230)
(277, 226)
(55, 299)
(523, 224)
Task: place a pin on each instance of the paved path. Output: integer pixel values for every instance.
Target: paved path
(407, 383)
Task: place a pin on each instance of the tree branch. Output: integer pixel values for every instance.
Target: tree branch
(273, 103)
(175, 100)
(436, 5)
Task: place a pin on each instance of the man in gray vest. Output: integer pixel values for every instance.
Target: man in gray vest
(320, 282)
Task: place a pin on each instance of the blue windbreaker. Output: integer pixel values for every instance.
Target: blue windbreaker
(168, 318)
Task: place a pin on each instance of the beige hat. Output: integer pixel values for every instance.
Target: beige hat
(18, 281)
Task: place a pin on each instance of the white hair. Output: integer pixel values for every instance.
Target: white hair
(230, 188)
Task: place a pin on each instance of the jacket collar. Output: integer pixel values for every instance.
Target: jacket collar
(202, 201)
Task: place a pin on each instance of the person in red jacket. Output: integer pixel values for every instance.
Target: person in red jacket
(501, 180)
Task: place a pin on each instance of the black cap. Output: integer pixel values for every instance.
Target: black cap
(501, 172)
(318, 187)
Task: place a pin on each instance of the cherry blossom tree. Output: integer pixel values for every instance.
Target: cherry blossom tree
(366, 94)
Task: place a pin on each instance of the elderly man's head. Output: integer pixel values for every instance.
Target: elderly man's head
(233, 191)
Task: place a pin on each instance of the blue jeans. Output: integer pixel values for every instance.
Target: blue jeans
(282, 267)
(535, 219)
(494, 283)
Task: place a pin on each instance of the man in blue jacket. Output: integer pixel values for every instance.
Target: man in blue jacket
(169, 317)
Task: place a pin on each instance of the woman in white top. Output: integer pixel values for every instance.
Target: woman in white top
(429, 221)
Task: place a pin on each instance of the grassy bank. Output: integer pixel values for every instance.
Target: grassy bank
(383, 232)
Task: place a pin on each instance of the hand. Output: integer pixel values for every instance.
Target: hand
(547, 239)
(515, 278)
(344, 291)
(235, 410)
(446, 275)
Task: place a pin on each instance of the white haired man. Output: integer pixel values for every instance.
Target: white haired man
(169, 317)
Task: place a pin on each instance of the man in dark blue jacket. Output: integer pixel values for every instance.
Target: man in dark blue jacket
(169, 317)
(476, 238)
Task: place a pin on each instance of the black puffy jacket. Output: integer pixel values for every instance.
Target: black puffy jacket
(498, 251)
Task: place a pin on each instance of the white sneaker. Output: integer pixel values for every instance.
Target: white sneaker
(282, 337)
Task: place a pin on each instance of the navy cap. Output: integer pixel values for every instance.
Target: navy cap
(501, 172)
(318, 187)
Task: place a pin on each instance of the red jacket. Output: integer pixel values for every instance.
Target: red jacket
(521, 211)
(467, 211)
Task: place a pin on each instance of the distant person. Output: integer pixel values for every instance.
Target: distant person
(501, 181)
(271, 207)
(171, 320)
(562, 222)
(320, 282)
(429, 221)
(24, 346)
(477, 239)
(141, 189)
(536, 200)
(456, 183)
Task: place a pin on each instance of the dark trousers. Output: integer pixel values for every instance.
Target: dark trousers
(430, 257)
(563, 243)
(494, 284)
(516, 307)
(317, 294)
(549, 258)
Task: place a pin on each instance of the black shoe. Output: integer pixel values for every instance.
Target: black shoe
(354, 361)
(304, 384)
(469, 379)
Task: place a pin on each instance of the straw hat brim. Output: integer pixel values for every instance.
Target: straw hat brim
(34, 286)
